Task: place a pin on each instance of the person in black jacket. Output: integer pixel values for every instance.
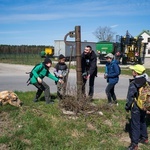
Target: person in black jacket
(89, 70)
(138, 131)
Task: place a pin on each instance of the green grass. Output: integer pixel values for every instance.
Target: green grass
(37, 126)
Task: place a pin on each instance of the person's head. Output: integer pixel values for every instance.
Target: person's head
(61, 58)
(47, 62)
(109, 57)
(137, 70)
(87, 50)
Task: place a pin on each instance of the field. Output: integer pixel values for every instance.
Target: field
(37, 126)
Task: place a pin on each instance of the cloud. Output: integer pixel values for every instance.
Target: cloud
(114, 26)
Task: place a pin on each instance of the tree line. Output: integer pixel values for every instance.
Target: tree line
(22, 49)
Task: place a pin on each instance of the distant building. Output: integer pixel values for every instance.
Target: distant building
(146, 39)
(67, 50)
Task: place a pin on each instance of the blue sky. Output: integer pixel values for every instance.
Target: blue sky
(40, 22)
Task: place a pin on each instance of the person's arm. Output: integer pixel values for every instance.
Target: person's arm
(132, 90)
(51, 76)
(55, 71)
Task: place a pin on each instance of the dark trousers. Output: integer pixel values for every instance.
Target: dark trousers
(61, 88)
(110, 92)
(91, 85)
(43, 87)
(138, 124)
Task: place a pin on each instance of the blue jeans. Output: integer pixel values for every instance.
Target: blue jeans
(110, 92)
(138, 124)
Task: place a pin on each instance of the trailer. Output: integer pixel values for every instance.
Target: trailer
(70, 50)
(103, 48)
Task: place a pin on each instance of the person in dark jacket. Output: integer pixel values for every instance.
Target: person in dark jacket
(38, 73)
(89, 70)
(138, 124)
(112, 72)
(61, 71)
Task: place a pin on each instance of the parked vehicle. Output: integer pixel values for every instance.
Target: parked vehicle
(103, 48)
(48, 51)
(127, 49)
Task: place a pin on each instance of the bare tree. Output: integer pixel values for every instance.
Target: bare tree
(104, 34)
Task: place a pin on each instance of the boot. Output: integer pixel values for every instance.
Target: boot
(133, 146)
(36, 99)
(48, 100)
(38, 94)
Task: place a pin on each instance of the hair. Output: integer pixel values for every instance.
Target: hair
(89, 47)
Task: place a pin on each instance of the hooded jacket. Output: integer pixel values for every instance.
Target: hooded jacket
(112, 70)
(132, 94)
(41, 71)
(89, 63)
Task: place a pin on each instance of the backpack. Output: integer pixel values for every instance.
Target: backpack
(143, 100)
(31, 74)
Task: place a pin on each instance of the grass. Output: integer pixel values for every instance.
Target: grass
(37, 126)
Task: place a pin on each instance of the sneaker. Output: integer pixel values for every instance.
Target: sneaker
(133, 147)
(143, 140)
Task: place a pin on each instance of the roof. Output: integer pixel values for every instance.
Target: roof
(145, 31)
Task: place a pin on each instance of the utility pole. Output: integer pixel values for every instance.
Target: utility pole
(77, 34)
(78, 62)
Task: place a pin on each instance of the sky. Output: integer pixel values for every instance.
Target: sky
(40, 22)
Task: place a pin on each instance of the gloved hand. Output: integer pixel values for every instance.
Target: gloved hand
(84, 74)
(39, 80)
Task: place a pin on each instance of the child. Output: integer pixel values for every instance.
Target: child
(112, 72)
(138, 124)
(38, 73)
(61, 71)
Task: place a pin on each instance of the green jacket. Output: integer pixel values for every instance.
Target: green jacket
(41, 71)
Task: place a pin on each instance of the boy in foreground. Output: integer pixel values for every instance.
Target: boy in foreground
(138, 123)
